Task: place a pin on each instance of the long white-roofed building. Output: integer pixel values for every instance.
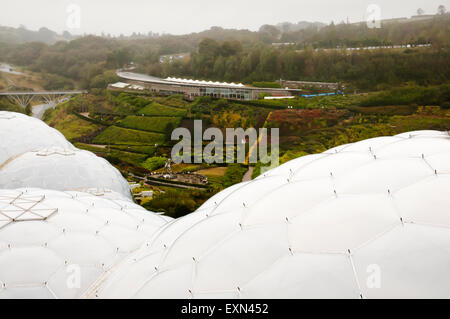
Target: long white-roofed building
(193, 88)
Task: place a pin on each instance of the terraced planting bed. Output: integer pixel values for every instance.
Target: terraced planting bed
(124, 136)
(156, 109)
(150, 124)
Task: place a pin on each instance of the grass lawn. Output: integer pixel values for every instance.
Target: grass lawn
(215, 171)
(123, 136)
(129, 157)
(150, 124)
(173, 100)
(156, 109)
(69, 125)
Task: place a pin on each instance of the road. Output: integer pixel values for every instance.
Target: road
(8, 69)
(39, 110)
(248, 175)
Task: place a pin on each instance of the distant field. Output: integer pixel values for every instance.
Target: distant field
(151, 124)
(156, 109)
(123, 136)
(216, 171)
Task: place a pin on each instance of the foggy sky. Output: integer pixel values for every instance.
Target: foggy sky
(184, 16)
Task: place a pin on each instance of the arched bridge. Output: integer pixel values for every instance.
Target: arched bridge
(49, 97)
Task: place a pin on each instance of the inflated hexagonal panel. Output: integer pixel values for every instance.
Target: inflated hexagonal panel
(58, 244)
(368, 219)
(20, 133)
(62, 169)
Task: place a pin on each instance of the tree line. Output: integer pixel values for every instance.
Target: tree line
(245, 56)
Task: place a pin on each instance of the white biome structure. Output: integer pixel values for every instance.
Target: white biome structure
(58, 244)
(20, 133)
(62, 169)
(364, 220)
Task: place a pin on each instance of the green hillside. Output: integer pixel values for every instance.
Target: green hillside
(151, 124)
(118, 135)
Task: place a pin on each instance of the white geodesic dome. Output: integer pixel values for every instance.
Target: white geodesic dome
(20, 133)
(57, 244)
(62, 169)
(365, 220)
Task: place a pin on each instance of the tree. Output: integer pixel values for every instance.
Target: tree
(269, 33)
(119, 57)
(420, 11)
(230, 48)
(442, 10)
(208, 48)
(101, 81)
(219, 67)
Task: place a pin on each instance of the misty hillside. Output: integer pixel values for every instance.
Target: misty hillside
(22, 35)
(292, 27)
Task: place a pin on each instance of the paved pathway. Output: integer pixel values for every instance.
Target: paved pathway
(248, 175)
(39, 110)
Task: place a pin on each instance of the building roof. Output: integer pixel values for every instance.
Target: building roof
(197, 82)
(177, 82)
(120, 85)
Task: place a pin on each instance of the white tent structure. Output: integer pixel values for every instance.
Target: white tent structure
(20, 133)
(365, 220)
(58, 244)
(190, 81)
(62, 169)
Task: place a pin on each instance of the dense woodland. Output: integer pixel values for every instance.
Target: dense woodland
(245, 56)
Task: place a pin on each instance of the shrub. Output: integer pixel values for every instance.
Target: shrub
(270, 85)
(154, 163)
(177, 203)
(408, 96)
(233, 175)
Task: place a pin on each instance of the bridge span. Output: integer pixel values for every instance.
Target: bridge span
(49, 97)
